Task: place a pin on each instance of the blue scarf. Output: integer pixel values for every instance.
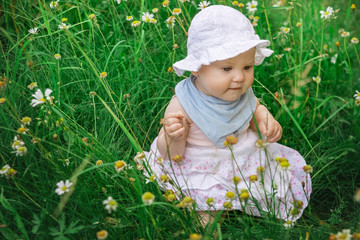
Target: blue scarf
(215, 117)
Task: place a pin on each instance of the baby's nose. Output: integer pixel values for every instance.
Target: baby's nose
(238, 76)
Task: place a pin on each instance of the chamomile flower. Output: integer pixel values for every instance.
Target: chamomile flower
(327, 14)
(22, 130)
(57, 56)
(354, 40)
(244, 195)
(33, 30)
(101, 235)
(63, 187)
(129, 18)
(187, 201)
(63, 26)
(139, 158)
(203, 5)
(287, 49)
(230, 195)
(4, 169)
(26, 120)
(153, 21)
(165, 3)
(110, 204)
(241, 5)
(236, 179)
(148, 198)
(135, 23)
(285, 30)
(195, 236)
(146, 17)
(40, 98)
(344, 235)
(227, 205)
(299, 24)
(103, 74)
(308, 169)
(92, 16)
(170, 22)
(344, 34)
(2, 100)
(32, 85)
(252, 6)
(285, 165)
(155, 10)
(17, 143)
(54, 4)
(357, 94)
(279, 56)
(64, 20)
(316, 79)
(120, 165)
(210, 201)
(176, 11)
(152, 178)
(288, 224)
(261, 143)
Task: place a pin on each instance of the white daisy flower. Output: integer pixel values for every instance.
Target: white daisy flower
(344, 235)
(63, 187)
(17, 143)
(354, 40)
(316, 79)
(344, 34)
(40, 98)
(327, 14)
(63, 26)
(4, 169)
(33, 30)
(110, 204)
(203, 5)
(252, 6)
(285, 30)
(147, 17)
(20, 151)
(129, 18)
(54, 4)
(32, 85)
(155, 10)
(176, 11)
(148, 198)
(57, 56)
(288, 224)
(170, 22)
(357, 94)
(135, 23)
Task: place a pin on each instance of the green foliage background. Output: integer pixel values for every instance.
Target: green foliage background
(321, 121)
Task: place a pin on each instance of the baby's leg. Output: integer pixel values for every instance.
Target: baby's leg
(206, 217)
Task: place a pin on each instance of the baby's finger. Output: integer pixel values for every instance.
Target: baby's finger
(177, 134)
(171, 121)
(178, 115)
(173, 127)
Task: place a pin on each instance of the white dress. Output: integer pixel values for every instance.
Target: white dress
(207, 172)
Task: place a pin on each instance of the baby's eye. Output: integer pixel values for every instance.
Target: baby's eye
(247, 67)
(227, 69)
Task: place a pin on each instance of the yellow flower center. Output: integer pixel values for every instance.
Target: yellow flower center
(176, 10)
(236, 179)
(119, 164)
(253, 6)
(284, 164)
(148, 196)
(64, 19)
(26, 120)
(42, 100)
(4, 168)
(21, 130)
(17, 143)
(92, 16)
(244, 195)
(147, 19)
(64, 188)
(112, 203)
(253, 178)
(99, 162)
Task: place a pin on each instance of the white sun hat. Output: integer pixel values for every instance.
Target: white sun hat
(218, 33)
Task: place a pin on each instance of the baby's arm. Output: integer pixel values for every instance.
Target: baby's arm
(175, 130)
(267, 124)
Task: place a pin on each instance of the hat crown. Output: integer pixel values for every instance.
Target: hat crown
(219, 24)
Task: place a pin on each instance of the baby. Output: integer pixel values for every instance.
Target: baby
(217, 171)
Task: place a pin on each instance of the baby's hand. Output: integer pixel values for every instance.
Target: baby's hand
(271, 129)
(173, 125)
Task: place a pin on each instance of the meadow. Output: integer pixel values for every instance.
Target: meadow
(83, 88)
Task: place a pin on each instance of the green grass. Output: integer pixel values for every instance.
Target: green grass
(321, 121)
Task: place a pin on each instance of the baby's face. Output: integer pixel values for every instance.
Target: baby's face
(227, 79)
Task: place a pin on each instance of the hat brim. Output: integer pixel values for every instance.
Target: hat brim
(222, 52)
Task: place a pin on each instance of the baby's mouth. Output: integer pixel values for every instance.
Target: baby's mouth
(237, 88)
